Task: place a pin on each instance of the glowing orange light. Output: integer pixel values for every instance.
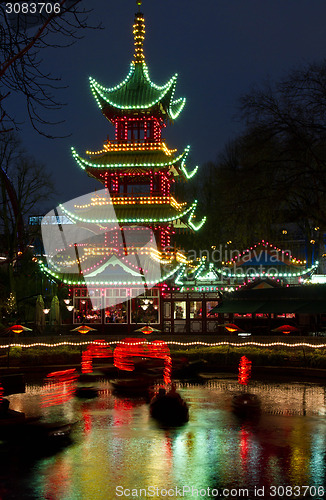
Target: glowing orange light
(230, 327)
(147, 329)
(83, 329)
(286, 329)
(17, 328)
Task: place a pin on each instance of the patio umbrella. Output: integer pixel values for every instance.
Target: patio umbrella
(232, 328)
(147, 329)
(286, 329)
(83, 329)
(54, 317)
(39, 314)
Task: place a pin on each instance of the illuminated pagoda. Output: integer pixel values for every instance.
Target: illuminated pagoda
(138, 173)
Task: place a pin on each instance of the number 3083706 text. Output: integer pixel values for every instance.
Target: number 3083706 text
(33, 8)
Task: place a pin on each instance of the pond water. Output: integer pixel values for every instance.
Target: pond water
(118, 451)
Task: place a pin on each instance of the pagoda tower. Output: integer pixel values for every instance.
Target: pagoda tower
(138, 171)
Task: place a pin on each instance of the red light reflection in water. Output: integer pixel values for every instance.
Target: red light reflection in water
(244, 370)
(122, 411)
(59, 388)
(275, 454)
(168, 451)
(94, 350)
(58, 479)
(131, 348)
(244, 448)
(1, 393)
(87, 420)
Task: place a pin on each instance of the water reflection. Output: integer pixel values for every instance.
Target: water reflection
(117, 444)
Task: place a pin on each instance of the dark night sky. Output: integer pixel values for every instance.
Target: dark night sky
(219, 48)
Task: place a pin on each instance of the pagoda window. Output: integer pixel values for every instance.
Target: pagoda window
(121, 131)
(138, 188)
(87, 306)
(145, 308)
(196, 309)
(136, 131)
(180, 310)
(115, 305)
(150, 136)
(123, 186)
(209, 307)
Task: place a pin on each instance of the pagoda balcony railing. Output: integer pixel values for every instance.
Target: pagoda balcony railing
(148, 199)
(116, 142)
(115, 146)
(131, 199)
(139, 194)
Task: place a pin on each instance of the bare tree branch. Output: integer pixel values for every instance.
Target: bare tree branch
(21, 68)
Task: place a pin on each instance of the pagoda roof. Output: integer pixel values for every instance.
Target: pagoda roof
(133, 214)
(115, 160)
(137, 93)
(133, 159)
(111, 273)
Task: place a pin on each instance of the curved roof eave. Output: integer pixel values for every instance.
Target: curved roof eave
(81, 282)
(155, 92)
(75, 218)
(198, 225)
(84, 164)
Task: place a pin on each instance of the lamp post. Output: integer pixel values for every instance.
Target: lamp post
(46, 311)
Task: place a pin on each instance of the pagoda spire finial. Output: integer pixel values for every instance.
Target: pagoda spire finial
(139, 35)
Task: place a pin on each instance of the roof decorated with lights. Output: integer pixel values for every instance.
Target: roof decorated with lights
(265, 258)
(129, 213)
(137, 93)
(108, 274)
(135, 158)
